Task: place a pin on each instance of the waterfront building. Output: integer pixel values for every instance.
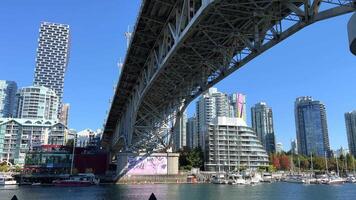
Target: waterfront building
(311, 127)
(237, 103)
(18, 136)
(64, 114)
(88, 137)
(52, 161)
(8, 91)
(52, 57)
(192, 133)
(350, 120)
(262, 123)
(294, 147)
(180, 133)
(231, 145)
(37, 102)
(279, 147)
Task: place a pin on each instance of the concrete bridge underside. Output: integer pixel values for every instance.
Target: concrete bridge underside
(180, 48)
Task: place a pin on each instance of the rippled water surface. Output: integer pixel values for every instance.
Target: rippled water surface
(275, 191)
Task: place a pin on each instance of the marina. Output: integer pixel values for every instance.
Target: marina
(275, 191)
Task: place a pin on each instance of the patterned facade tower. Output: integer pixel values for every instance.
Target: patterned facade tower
(238, 104)
(52, 57)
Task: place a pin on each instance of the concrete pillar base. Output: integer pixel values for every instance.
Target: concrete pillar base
(133, 164)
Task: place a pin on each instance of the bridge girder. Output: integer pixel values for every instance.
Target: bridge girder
(198, 44)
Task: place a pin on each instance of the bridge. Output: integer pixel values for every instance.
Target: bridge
(180, 48)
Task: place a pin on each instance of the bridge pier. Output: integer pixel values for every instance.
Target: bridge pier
(135, 166)
(352, 33)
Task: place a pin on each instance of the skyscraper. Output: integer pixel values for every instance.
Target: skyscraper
(262, 123)
(52, 57)
(238, 105)
(8, 91)
(192, 133)
(210, 105)
(180, 134)
(293, 147)
(37, 102)
(63, 118)
(311, 127)
(350, 119)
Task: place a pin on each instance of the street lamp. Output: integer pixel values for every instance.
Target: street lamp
(351, 27)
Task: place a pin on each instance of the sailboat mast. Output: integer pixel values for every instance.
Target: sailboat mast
(326, 164)
(337, 166)
(73, 151)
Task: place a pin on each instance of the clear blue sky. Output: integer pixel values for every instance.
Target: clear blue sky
(315, 61)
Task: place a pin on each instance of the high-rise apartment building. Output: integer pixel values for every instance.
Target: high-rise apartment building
(52, 57)
(8, 91)
(231, 145)
(192, 133)
(63, 117)
(37, 102)
(279, 147)
(238, 106)
(294, 147)
(210, 105)
(311, 127)
(350, 120)
(262, 123)
(180, 134)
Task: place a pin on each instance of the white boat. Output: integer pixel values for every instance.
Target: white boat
(267, 178)
(335, 180)
(295, 179)
(219, 179)
(236, 179)
(7, 180)
(351, 179)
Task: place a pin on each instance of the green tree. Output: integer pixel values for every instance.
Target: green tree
(4, 167)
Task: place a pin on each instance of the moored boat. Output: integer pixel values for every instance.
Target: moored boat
(78, 180)
(7, 180)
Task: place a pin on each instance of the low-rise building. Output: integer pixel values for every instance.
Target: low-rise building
(18, 136)
(88, 137)
(232, 145)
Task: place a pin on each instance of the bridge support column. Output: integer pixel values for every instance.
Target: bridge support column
(352, 33)
(133, 167)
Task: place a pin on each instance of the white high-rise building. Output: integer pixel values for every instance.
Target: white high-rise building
(52, 57)
(37, 102)
(8, 91)
(210, 105)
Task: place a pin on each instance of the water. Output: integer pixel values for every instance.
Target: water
(275, 191)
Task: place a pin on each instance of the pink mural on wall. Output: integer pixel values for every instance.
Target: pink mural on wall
(147, 165)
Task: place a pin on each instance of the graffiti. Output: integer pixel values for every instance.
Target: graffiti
(146, 165)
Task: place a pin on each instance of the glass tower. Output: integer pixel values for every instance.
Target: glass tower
(7, 98)
(262, 123)
(350, 119)
(311, 127)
